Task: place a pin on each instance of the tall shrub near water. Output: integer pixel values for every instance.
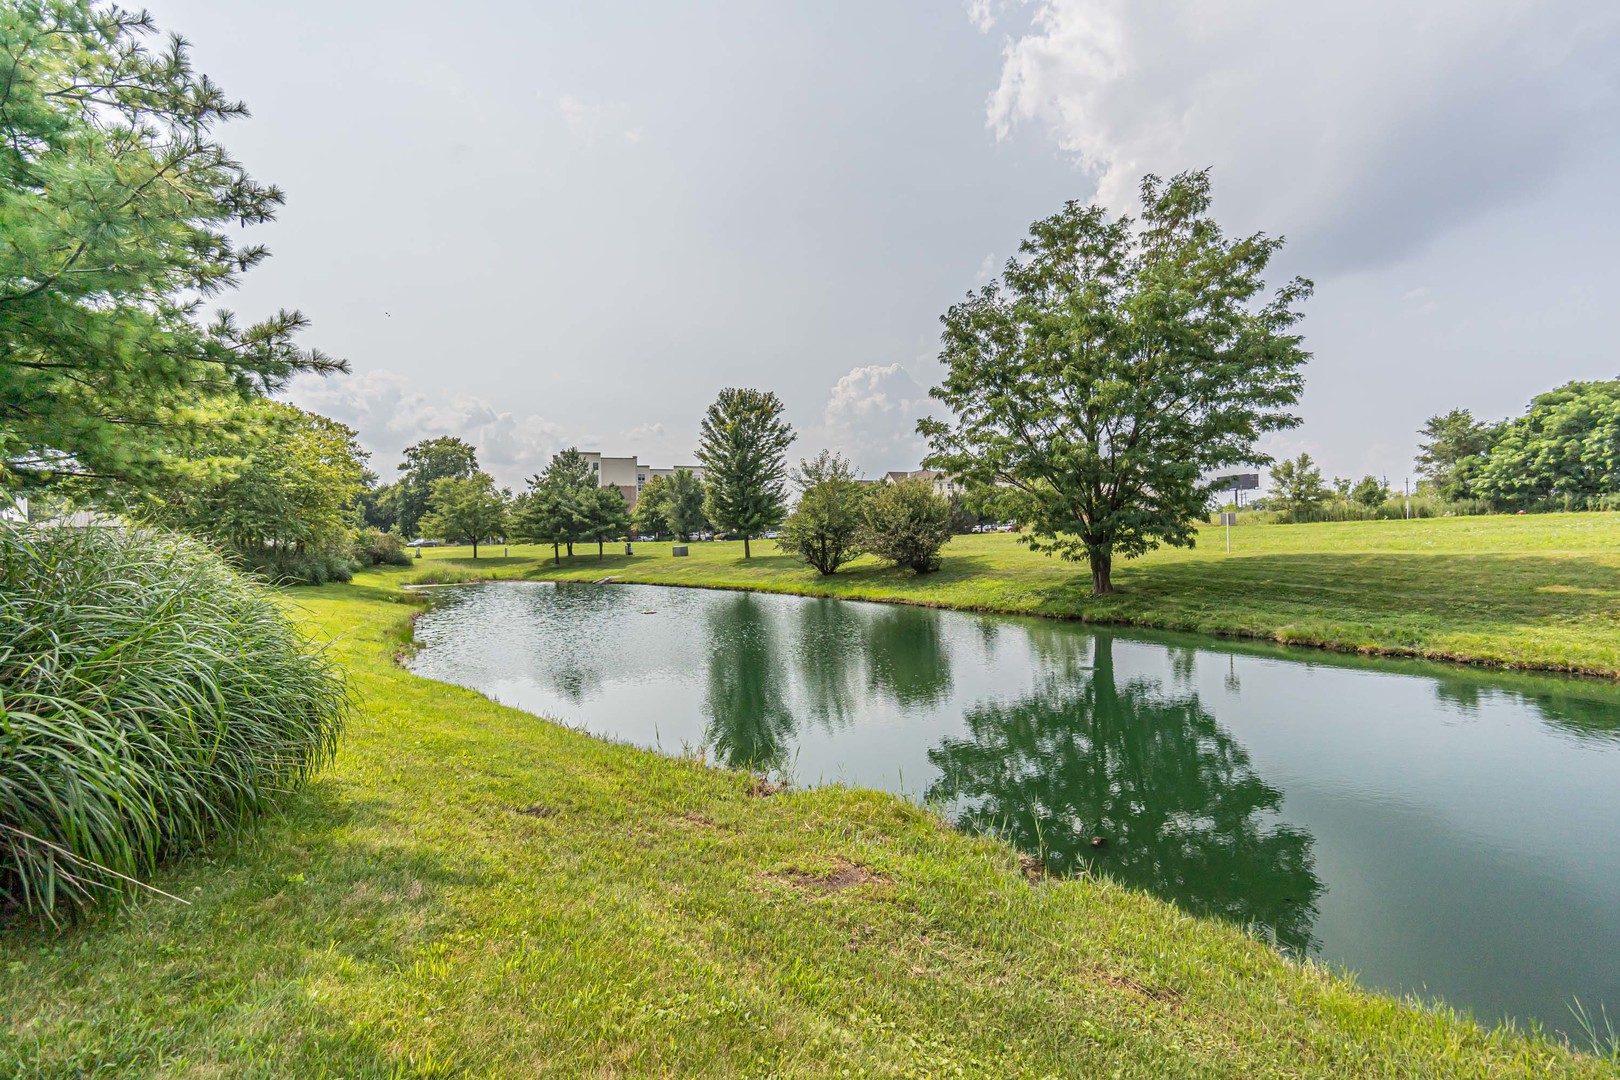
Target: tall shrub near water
(906, 523)
(150, 699)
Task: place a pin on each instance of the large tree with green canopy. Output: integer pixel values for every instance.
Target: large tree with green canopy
(1453, 448)
(742, 447)
(293, 481)
(118, 206)
(1117, 364)
(1563, 453)
(468, 509)
(446, 457)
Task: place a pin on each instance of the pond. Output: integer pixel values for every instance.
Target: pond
(1438, 830)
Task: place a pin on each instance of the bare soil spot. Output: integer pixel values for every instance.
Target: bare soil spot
(1162, 994)
(537, 810)
(760, 788)
(842, 875)
(692, 817)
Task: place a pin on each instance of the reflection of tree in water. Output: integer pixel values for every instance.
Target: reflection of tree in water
(1590, 710)
(749, 721)
(829, 660)
(907, 657)
(1172, 794)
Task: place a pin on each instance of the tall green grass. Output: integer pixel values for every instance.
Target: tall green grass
(150, 698)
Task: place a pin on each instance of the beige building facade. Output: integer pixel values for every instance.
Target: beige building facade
(629, 475)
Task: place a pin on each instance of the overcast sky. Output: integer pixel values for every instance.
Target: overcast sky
(542, 224)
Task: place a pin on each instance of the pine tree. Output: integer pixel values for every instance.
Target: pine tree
(118, 207)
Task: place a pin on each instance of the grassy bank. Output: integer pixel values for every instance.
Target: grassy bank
(471, 891)
(1531, 592)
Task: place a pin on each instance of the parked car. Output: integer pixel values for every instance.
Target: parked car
(420, 542)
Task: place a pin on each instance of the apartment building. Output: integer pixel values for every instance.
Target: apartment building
(944, 484)
(629, 475)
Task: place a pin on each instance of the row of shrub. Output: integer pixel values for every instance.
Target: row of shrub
(151, 698)
(307, 566)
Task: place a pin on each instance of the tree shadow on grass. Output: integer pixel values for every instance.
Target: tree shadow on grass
(322, 891)
(1467, 591)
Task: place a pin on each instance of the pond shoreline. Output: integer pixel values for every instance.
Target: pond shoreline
(915, 704)
(1275, 638)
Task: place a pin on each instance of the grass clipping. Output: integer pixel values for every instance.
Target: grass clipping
(150, 698)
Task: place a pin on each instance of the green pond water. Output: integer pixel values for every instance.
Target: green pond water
(1437, 830)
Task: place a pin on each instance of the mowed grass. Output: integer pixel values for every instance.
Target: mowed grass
(1539, 592)
(470, 890)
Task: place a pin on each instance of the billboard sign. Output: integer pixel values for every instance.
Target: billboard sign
(1243, 481)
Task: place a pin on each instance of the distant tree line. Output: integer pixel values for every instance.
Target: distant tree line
(1563, 453)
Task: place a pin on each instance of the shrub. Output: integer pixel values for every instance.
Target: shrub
(824, 528)
(374, 547)
(150, 698)
(906, 523)
(289, 566)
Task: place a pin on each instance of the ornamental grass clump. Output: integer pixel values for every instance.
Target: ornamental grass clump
(150, 699)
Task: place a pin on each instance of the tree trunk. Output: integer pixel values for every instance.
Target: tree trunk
(1102, 568)
(475, 550)
(746, 553)
(598, 549)
(556, 554)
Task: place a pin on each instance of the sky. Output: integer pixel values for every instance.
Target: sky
(537, 225)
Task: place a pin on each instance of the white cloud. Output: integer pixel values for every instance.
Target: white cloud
(987, 269)
(984, 13)
(389, 416)
(1363, 131)
(871, 416)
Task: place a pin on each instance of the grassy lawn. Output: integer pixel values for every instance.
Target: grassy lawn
(470, 890)
(1537, 591)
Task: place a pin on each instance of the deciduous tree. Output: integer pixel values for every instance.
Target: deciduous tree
(292, 481)
(1299, 486)
(651, 517)
(425, 462)
(1118, 364)
(1563, 453)
(1454, 447)
(824, 528)
(685, 499)
(1370, 492)
(743, 443)
(468, 509)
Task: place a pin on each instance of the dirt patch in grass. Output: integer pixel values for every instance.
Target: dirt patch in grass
(1164, 995)
(842, 875)
(692, 817)
(537, 810)
(760, 788)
